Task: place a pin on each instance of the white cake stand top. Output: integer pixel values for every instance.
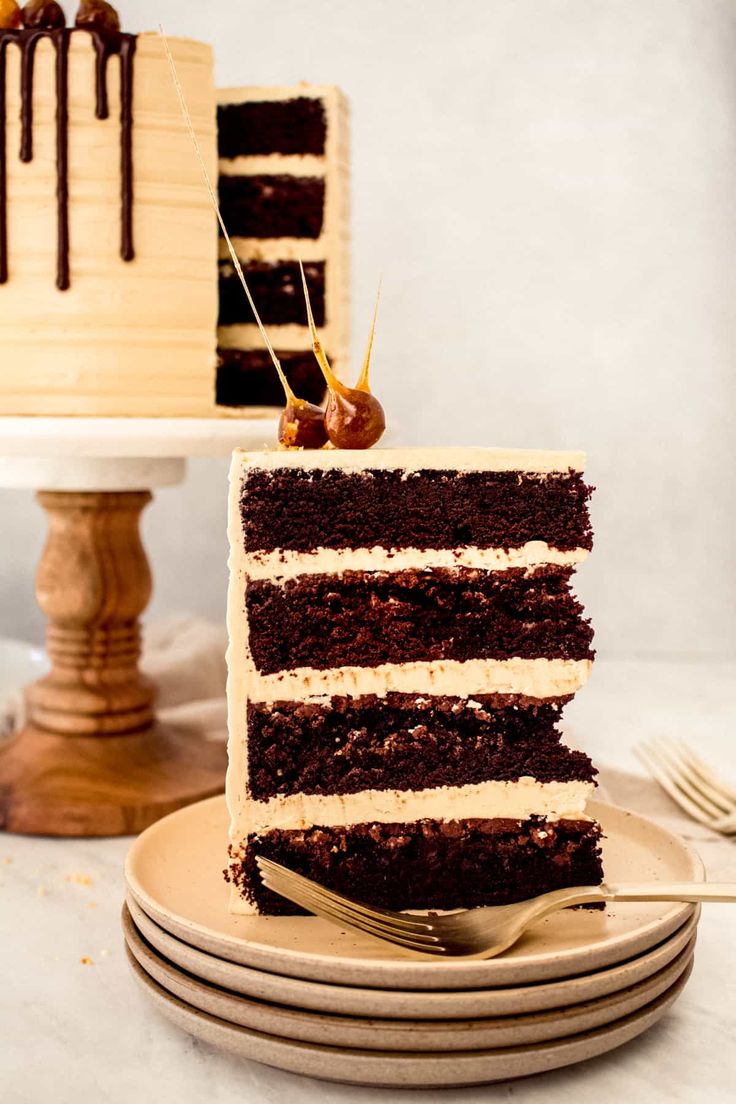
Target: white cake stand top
(120, 454)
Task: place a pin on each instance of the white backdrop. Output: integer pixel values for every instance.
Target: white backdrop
(549, 190)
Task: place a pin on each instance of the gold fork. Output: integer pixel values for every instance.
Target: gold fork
(474, 933)
(691, 783)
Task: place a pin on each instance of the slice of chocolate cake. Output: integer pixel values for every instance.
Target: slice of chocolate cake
(284, 195)
(403, 637)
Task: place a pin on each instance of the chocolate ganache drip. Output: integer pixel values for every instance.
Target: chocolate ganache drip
(105, 45)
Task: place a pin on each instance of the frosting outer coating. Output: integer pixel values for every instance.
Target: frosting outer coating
(127, 338)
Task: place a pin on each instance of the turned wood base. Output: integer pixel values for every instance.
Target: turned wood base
(53, 785)
(92, 761)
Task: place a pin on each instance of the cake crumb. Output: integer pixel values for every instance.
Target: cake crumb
(8, 860)
(78, 879)
(104, 952)
(41, 891)
(85, 960)
(91, 904)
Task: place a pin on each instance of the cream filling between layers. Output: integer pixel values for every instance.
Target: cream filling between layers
(274, 164)
(280, 565)
(535, 678)
(411, 461)
(481, 801)
(287, 337)
(274, 250)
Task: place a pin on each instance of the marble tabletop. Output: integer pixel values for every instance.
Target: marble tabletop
(74, 1026)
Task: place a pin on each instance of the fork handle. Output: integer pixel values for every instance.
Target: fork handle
(671, 891)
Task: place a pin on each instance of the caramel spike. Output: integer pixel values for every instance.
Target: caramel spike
(363, 384)
(332, 381)
(290, 396)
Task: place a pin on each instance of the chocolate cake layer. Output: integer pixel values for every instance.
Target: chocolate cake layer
(362, 619)
(277, 291)
(405, 742)
(307, 509)
(428, 863)
(247, 377)
(281, 126)
(273, 206)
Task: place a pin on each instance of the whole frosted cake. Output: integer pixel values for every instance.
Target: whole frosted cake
(108, 249)
(403, 637)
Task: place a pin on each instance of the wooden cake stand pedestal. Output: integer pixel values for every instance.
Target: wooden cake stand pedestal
(92, 760)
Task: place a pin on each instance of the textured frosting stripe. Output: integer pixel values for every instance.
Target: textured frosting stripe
(419, 459)
(484, 800)
(537, 678)
(281, 565)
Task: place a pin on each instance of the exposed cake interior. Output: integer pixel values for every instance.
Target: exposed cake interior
(403, 638)
(284, 190)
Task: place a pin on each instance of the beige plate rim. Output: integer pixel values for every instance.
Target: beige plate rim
(403, 1003)
(381, 1033)
(180, 857)
(406, 1069)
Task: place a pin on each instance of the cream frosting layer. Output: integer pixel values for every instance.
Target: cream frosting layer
(282, 565)
(282, 164)
(133, 338)
(485, 800)
(413, 460)
(286, 338)
(536, 678)
(275, 250)
(273, 92)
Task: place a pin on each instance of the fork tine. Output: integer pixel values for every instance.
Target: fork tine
(289, 884)
(662, 776)
(315, 901)
(706, 773)
(351, 920)
(314, 896)
(414, 925)
(682, 777)
(719, 803)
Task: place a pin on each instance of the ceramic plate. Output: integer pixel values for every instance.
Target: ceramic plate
(404, 1004)
(174, 872)
(405, 1069)
(409, 1035)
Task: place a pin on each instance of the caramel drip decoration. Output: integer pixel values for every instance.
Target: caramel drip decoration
(27, 40)
(354, 418)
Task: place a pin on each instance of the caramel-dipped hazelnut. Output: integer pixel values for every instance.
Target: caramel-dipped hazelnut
(97, 15)
(354, 418)
(10, 15)
(44, 15)
(302, 425)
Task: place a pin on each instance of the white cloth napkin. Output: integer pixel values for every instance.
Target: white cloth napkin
(185, 657)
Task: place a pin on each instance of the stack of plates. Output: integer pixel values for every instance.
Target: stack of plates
(301, 995)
